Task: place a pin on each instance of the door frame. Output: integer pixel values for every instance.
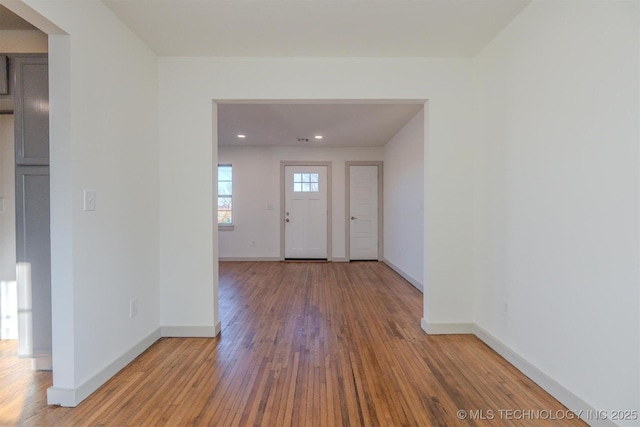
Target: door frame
(347, 206)
(283, 183)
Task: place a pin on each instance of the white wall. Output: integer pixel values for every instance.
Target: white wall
(559, 246)
(7, 192)
(187, 163)
(256, 184)
(556, 210)
(104, 133)
(404, 200)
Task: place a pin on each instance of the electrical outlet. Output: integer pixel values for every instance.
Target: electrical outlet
(89, 200)
(133, 307)
(505, 308)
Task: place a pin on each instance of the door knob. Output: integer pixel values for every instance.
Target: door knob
(286, 220)
(353, 217)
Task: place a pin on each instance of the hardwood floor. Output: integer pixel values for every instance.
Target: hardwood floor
(302, 344)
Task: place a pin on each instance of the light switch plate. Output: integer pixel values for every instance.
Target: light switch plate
(89, 200)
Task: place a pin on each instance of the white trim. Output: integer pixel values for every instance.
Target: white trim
(445, 328)
(343, 259)
(404, 275)
(257, 259)
(73, 397)
(574, 403)
(190, 331)
(551, 386)
(42, 362)
(62, 396)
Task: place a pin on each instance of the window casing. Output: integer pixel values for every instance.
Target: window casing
(225, 195)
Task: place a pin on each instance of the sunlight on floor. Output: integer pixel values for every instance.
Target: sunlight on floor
(16, 378)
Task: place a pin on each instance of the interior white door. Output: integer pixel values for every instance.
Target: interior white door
(363, 210)
(305, 212)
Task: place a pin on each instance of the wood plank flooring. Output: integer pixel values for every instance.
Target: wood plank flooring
(302, 344)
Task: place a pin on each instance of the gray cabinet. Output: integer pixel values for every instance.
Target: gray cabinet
(30, 93)
(31, 107)
(4, 76)
(33, 244)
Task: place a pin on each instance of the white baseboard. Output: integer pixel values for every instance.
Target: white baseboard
(574, 403)
(190, 331)
(434, 328)
(42, 362)
(269, 259)
(72, 397)
(254, 259)
(416, 284)
(567, 398)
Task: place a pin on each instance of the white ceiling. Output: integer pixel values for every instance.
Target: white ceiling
(312, 28)
(317, 28)
(346, 125)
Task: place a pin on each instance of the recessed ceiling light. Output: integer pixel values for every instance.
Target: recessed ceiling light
(241, 135)
(318, 137)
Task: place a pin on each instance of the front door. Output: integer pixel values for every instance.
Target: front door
(363, 210)
(305, 212)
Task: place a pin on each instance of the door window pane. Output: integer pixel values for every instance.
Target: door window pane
(305, 182)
